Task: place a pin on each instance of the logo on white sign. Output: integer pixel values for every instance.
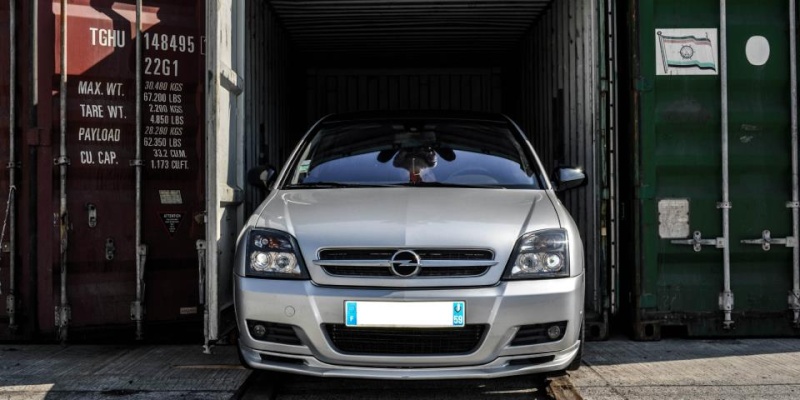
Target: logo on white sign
(686, 52)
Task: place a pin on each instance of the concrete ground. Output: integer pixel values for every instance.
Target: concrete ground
(614, 369)
(130, 372)
(690, 369)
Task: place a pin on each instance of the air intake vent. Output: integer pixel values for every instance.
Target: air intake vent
(405, 341)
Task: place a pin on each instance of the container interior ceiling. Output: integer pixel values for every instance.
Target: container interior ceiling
(384, 29)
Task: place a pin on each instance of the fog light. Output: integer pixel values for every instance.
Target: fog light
(554, 332)
(259, 330)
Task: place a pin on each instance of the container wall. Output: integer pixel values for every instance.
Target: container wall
(100, 143)
(543, 71)
(333, 90)
(300, 60)
(558, 89)
(270, 132)
(17, 308)
(680, 186)
(5, 102)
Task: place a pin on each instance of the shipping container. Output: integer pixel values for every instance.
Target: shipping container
(713, 169)
(130, 193)
(545, 63)
(112, 189)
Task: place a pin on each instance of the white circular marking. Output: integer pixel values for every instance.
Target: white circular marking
(757, 50)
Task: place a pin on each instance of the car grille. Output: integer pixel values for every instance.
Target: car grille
(462, 258)
(405, 341)
(386, 272)
(385, 254)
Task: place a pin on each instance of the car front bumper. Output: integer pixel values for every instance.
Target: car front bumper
(502, 308)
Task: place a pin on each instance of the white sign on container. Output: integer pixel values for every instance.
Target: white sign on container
(686, 52)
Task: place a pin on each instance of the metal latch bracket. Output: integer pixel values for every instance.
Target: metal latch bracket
(63, 160)
(767, 240)
(697, 242)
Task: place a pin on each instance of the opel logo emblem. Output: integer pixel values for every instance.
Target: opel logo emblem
(405, 263)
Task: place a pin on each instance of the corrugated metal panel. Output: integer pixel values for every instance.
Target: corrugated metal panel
(267, 92)
(5, 101)
(331, 91)
(300, 57)
(100, 143)
(390, 26)
(407, 51)
(560, 111)
(680, 187)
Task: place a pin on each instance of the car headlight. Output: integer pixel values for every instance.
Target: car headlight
(541, 254)
(273, 254)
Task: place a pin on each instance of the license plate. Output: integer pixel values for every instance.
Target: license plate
(424, 314)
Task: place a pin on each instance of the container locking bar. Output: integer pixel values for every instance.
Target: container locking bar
(201, 266)
(794, 305)
(138, 306)
(697, 241)
(766, 241)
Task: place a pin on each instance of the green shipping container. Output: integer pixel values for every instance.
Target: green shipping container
(682, 79)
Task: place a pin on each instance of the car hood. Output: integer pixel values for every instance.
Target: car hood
(408, 217)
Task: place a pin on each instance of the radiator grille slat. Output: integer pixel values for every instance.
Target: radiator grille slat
(384, 255)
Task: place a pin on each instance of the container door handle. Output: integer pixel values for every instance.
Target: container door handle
(110, 248)
(92, 214)
(767, 240)
(697, 241)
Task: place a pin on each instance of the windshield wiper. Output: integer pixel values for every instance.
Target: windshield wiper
(329, 185)
(332, 185)
(450, 185)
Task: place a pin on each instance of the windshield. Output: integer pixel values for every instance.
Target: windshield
(417, 152)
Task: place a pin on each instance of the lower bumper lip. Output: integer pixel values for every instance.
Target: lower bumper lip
(498, 368)
(502, 308)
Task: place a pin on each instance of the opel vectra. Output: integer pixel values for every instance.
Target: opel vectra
(411, 246)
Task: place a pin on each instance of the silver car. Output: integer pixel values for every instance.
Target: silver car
(411, 246)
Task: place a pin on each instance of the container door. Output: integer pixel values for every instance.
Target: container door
(224, 163)
(681, 189)
(173, 180)
(101, 221)
(6, 102)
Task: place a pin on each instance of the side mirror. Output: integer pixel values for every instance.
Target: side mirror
(262, 176)
(568, 178)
